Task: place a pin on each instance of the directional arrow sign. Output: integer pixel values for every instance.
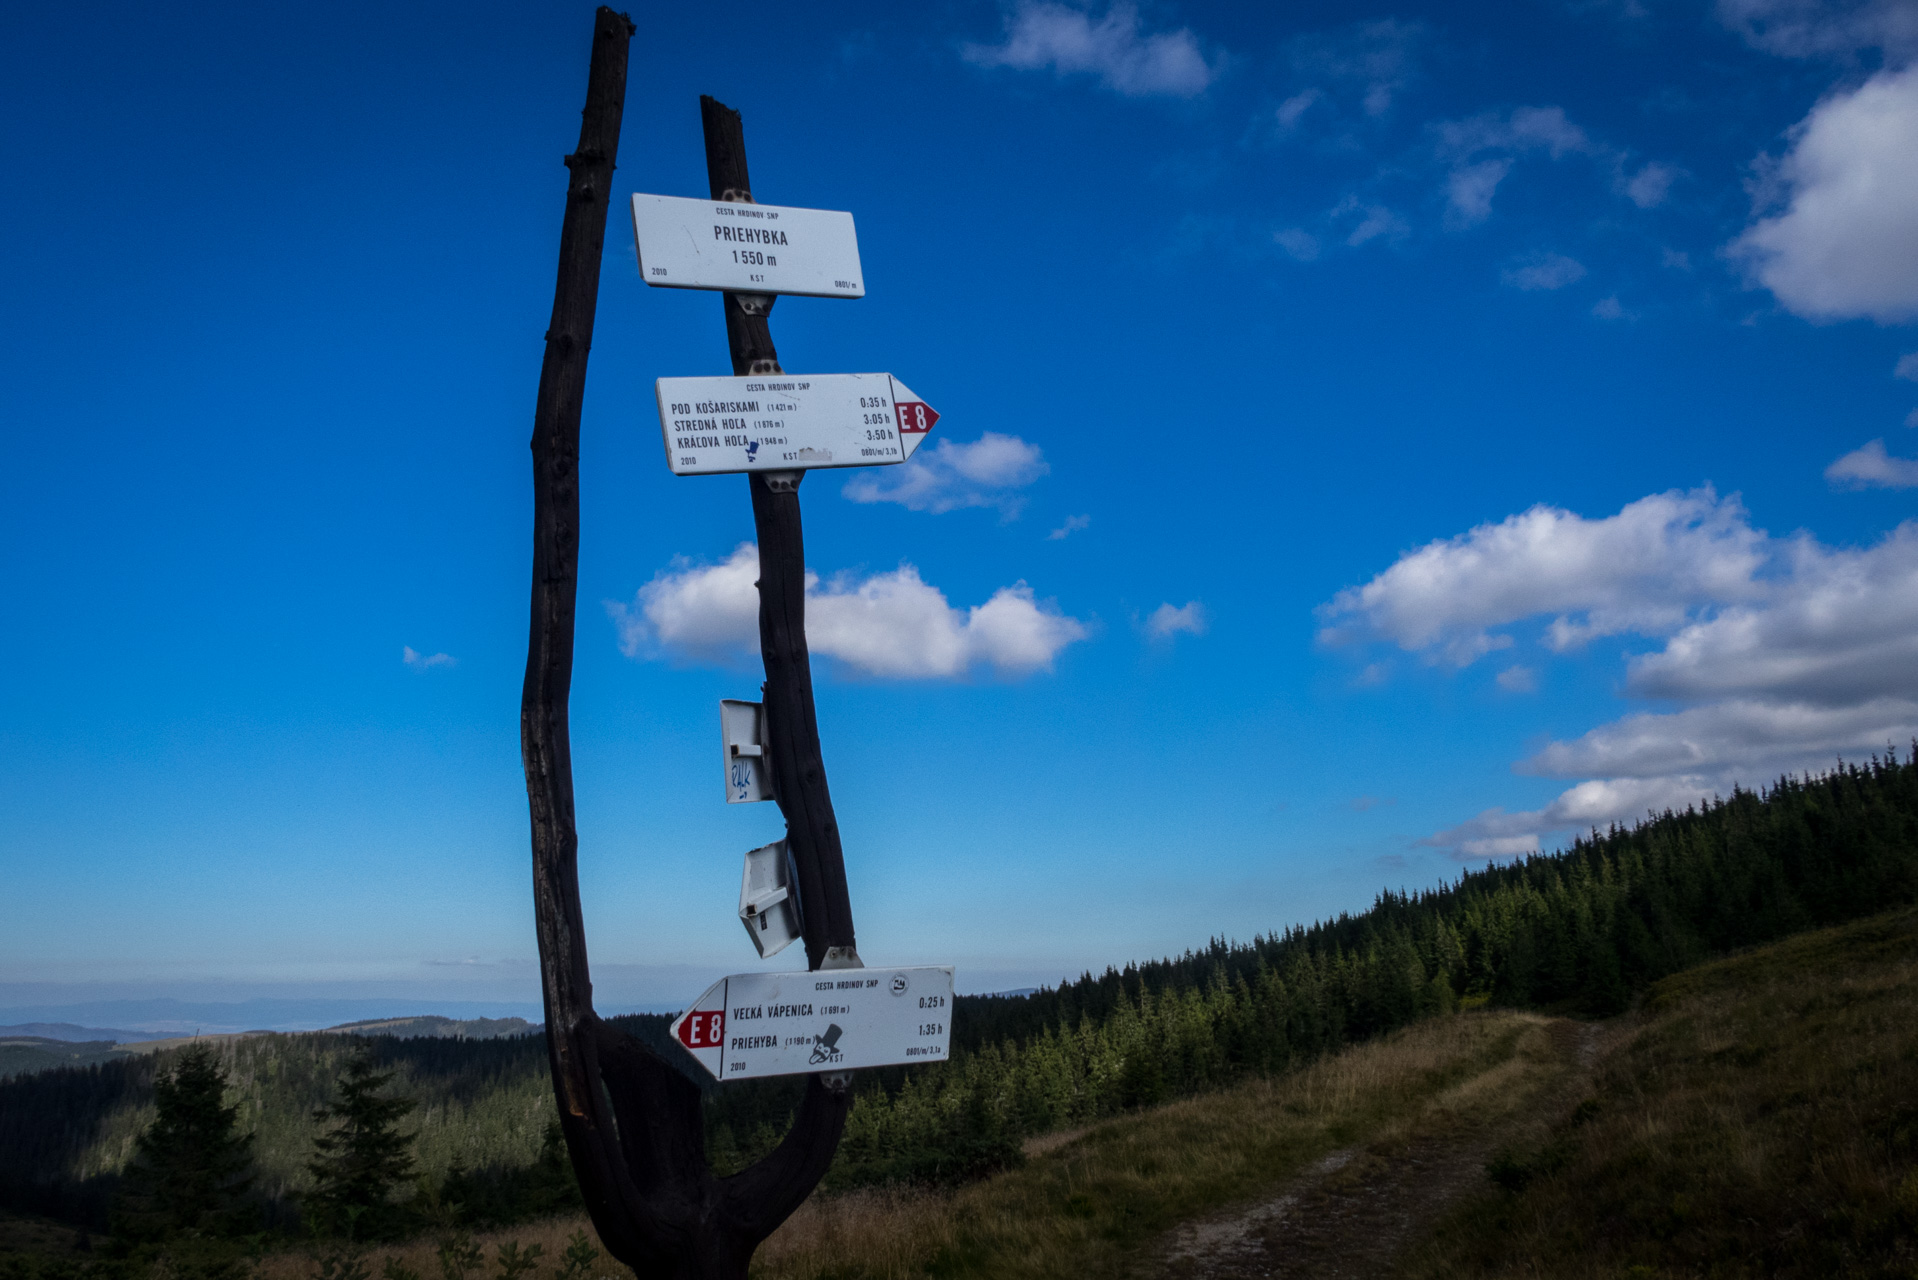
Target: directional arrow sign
(746, 248)
(787, 1024)
(789, 422)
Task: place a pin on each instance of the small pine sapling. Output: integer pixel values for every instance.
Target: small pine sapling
(577, 1261)
(459, 1255)
(514, 1262)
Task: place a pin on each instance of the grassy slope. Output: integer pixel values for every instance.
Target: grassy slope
(1099, 1204)
(1096, 1203)
(1760, 1118)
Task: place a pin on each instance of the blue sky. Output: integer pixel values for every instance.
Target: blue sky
(1375, 439)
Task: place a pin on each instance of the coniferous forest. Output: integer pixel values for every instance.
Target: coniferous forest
(1578, 931)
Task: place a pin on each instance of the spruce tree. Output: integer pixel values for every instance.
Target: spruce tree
(360, 1155)
(192, 1166)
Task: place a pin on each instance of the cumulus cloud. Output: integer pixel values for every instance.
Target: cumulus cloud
(1115, 48)
(1610, 308)
(1870, 467)
(1835, 627)
(1845, 243)
(1543, 271)
(1165, 623)
(1907, 367)
(425, 661)
(891, 625)
(1781, 655)
(1643, 570)
(1072, 525)
(988, 472)
(1724, 739)
(1598, 803)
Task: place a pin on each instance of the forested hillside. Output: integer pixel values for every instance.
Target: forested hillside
(1578, 931)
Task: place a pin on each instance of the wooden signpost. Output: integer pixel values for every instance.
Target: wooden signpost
(632, 1120)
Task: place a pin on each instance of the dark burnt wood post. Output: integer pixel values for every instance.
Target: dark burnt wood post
(632, 1122)
(792, 728)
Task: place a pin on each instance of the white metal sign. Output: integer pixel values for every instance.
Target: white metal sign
(746, 248)
(784, 1024)
(789, 422)
(742, 739)
(766, 905)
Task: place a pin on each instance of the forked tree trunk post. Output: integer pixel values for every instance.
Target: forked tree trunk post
(632, 1122)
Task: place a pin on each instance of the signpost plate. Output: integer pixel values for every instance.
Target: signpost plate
(787, 1024)
(742, 738)
(746, 248)
(789, 422)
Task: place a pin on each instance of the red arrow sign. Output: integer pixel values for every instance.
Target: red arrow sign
(915, 417)
(703, 1030)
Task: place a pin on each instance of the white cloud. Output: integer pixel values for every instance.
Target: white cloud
(1833, 628)
(1295, 106)
(1165, 623)
(1470, 188)
(1650, 185)
(1114, 48)
(1749, 737)
(892, 625)
(1782, 654)
(1598, 803)
(1072, 525)
(1644, 569)
(1543, 271)
(951, 475)
(1301, 244)
(1518, 680)
(1846, 243)
(1500, 847)
(706, 613)
(1481, 150)
(1907, 367)
(1824, 28)
(425, 662)
(1610, 308)
(1870, 467)
(1374, 220)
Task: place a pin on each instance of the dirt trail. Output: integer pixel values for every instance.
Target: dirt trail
(1351, 1214)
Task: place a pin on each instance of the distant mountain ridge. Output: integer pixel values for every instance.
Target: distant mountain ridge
(27, 1048)
(71, 1032)
(435, 1026)
(165, 1016)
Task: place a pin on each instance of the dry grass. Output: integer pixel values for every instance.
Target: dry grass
(1093, 1202)
(1759, 1118)
(421, 1255)
(1090, 1206)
